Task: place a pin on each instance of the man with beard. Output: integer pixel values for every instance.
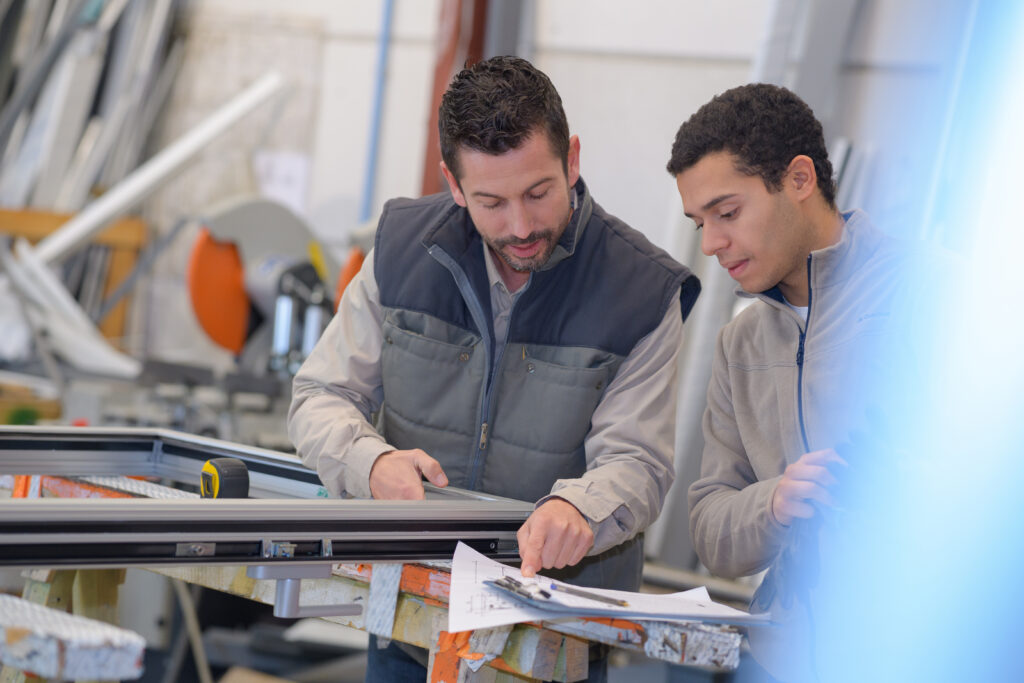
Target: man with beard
(513, 338)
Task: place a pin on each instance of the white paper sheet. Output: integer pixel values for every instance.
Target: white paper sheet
(473, 604)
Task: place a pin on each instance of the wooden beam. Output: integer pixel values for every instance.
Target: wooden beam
(126, 233)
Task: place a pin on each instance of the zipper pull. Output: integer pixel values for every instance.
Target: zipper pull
(483, 436)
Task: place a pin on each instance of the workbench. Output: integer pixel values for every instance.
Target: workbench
(410, 604)
(407, 601)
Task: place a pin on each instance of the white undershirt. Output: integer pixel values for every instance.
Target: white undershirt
(802, 310)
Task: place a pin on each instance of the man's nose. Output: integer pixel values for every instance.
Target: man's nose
(711, 241)
(519, 221)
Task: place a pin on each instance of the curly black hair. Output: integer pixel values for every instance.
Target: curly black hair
(764, 126)
(493, 106)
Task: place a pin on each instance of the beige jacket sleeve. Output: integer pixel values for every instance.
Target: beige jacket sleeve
(631, 444)
(338, 388)
(733, 529)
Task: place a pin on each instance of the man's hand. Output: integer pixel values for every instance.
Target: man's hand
(804, 482)
(555, 535)
(398, 475)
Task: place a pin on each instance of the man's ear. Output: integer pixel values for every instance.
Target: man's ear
(801, 178)
(453, 185)
(573, 163)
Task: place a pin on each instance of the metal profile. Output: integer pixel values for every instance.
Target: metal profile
(149, 532)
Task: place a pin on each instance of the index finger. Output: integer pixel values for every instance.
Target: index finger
(531, 544)
(823, 457)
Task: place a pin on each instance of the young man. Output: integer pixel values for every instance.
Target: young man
(514, 338)
(793, 372)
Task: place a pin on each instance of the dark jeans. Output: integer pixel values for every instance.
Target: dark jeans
(393, 665)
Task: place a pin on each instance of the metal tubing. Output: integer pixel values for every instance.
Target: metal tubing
(376, 116)
(146, 178)
(286, 604)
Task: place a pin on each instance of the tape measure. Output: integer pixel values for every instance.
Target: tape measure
(224, 478)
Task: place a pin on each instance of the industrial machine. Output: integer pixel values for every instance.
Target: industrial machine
(257, 280)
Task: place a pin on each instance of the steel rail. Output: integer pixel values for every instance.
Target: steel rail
(290, 522)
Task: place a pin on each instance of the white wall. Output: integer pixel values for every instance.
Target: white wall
(895, 88)
(629, 74)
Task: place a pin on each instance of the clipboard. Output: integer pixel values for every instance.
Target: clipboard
(576, 603)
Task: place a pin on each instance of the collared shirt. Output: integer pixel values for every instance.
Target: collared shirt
(502, 300)
(631, 439)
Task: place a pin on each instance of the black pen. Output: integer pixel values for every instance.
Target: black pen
(580, 593)
(527, 590)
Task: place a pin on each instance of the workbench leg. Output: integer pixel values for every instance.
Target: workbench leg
(49, 587)
(533, 652)
(573, 663)
(443, 665)
(446, 666)
(541, 655)
(94, 595)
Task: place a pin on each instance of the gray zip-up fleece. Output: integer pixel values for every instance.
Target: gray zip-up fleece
(782, 386)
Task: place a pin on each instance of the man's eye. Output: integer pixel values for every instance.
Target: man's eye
(538, 196)
(699, 225)
(495, 205)
(729, 214)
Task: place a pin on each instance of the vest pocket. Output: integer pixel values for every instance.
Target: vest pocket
(431, 382)
(547, 406)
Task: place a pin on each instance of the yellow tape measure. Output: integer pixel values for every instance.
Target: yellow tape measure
(224, 478)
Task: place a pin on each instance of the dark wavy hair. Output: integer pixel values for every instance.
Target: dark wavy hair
(764, 127)
(495, 105)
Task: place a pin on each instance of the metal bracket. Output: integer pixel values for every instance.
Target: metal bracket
(289, 584)
(195, 549)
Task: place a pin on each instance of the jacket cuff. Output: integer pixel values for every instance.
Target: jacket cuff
(610, 521)
(767, 487)
(577, 502)
(579, 492)
(359, 461)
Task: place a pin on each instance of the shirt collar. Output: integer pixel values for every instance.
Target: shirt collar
(493, 276)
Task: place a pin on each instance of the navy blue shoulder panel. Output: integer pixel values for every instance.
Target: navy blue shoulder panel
(614, 290)
(408, 277)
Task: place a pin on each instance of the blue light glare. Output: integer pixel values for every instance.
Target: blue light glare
(922, 582)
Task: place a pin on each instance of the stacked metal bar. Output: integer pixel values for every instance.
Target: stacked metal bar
(288, 522)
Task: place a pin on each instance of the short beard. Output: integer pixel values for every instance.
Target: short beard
(535, 263)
